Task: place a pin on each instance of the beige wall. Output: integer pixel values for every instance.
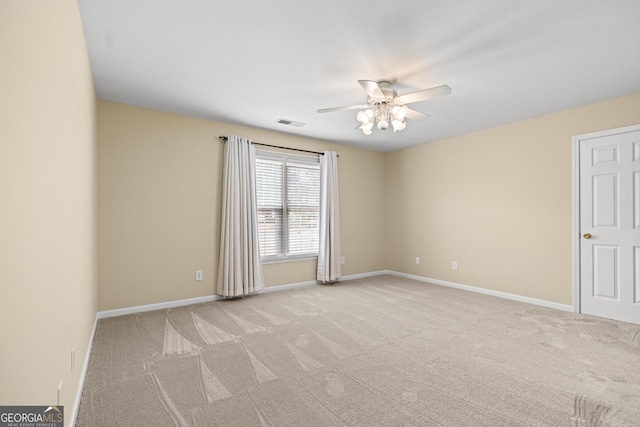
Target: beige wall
(159, 188)
(48, 202)
(497, 201)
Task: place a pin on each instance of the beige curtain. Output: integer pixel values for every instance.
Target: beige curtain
(239, 269)
(329, 244)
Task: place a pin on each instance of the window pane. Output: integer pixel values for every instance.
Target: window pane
(303, 197)
(303, 186)
(269, 189)
(270, 231)
(269, 183)
(303, 232)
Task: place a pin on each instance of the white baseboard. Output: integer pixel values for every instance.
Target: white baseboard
(83, 374)
(499, 294)
(157, 306)
(363, 275)
(315, 282)
(198, 300)
(179, 303)
(189, 301)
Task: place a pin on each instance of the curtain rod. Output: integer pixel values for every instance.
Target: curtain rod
(224, 138)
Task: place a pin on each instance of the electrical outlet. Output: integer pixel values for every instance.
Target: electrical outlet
(73, 359)
(60, 394)
(417, 260)
(454, 265)
(198, 274)
(341, 260)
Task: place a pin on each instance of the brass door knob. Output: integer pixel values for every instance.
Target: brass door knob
(587, 235)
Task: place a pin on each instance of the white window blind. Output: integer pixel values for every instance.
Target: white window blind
(288, 192)
(270, 192)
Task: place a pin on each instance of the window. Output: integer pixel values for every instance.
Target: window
(288, 192)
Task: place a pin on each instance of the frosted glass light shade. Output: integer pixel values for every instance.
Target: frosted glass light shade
(398, 125)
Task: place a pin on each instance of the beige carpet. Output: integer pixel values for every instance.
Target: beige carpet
(381, 351)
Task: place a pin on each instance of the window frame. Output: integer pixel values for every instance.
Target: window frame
(284, 241)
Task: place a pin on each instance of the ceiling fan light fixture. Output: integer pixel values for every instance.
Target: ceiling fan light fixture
(398, 125)
(366, 128)
(365, 116)
(384, 115)
(385, 107)
(399, 112)
(383, 124)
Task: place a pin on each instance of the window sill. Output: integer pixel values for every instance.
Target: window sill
(289, 259)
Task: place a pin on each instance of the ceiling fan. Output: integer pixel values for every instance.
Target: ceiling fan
(384, 106)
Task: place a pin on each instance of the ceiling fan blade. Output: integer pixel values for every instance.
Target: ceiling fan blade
(351, 107)
(416, 115)
(423, 95)
(372, 88)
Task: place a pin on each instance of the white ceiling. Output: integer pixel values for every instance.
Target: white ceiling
(252, 62)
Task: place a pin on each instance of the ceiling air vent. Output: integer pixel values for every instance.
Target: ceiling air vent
(290, 123)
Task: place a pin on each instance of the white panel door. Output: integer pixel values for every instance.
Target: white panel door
(610, 225)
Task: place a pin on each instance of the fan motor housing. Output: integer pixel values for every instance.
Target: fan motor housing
(387, 90)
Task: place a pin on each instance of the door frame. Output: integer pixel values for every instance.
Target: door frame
(576, 140)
